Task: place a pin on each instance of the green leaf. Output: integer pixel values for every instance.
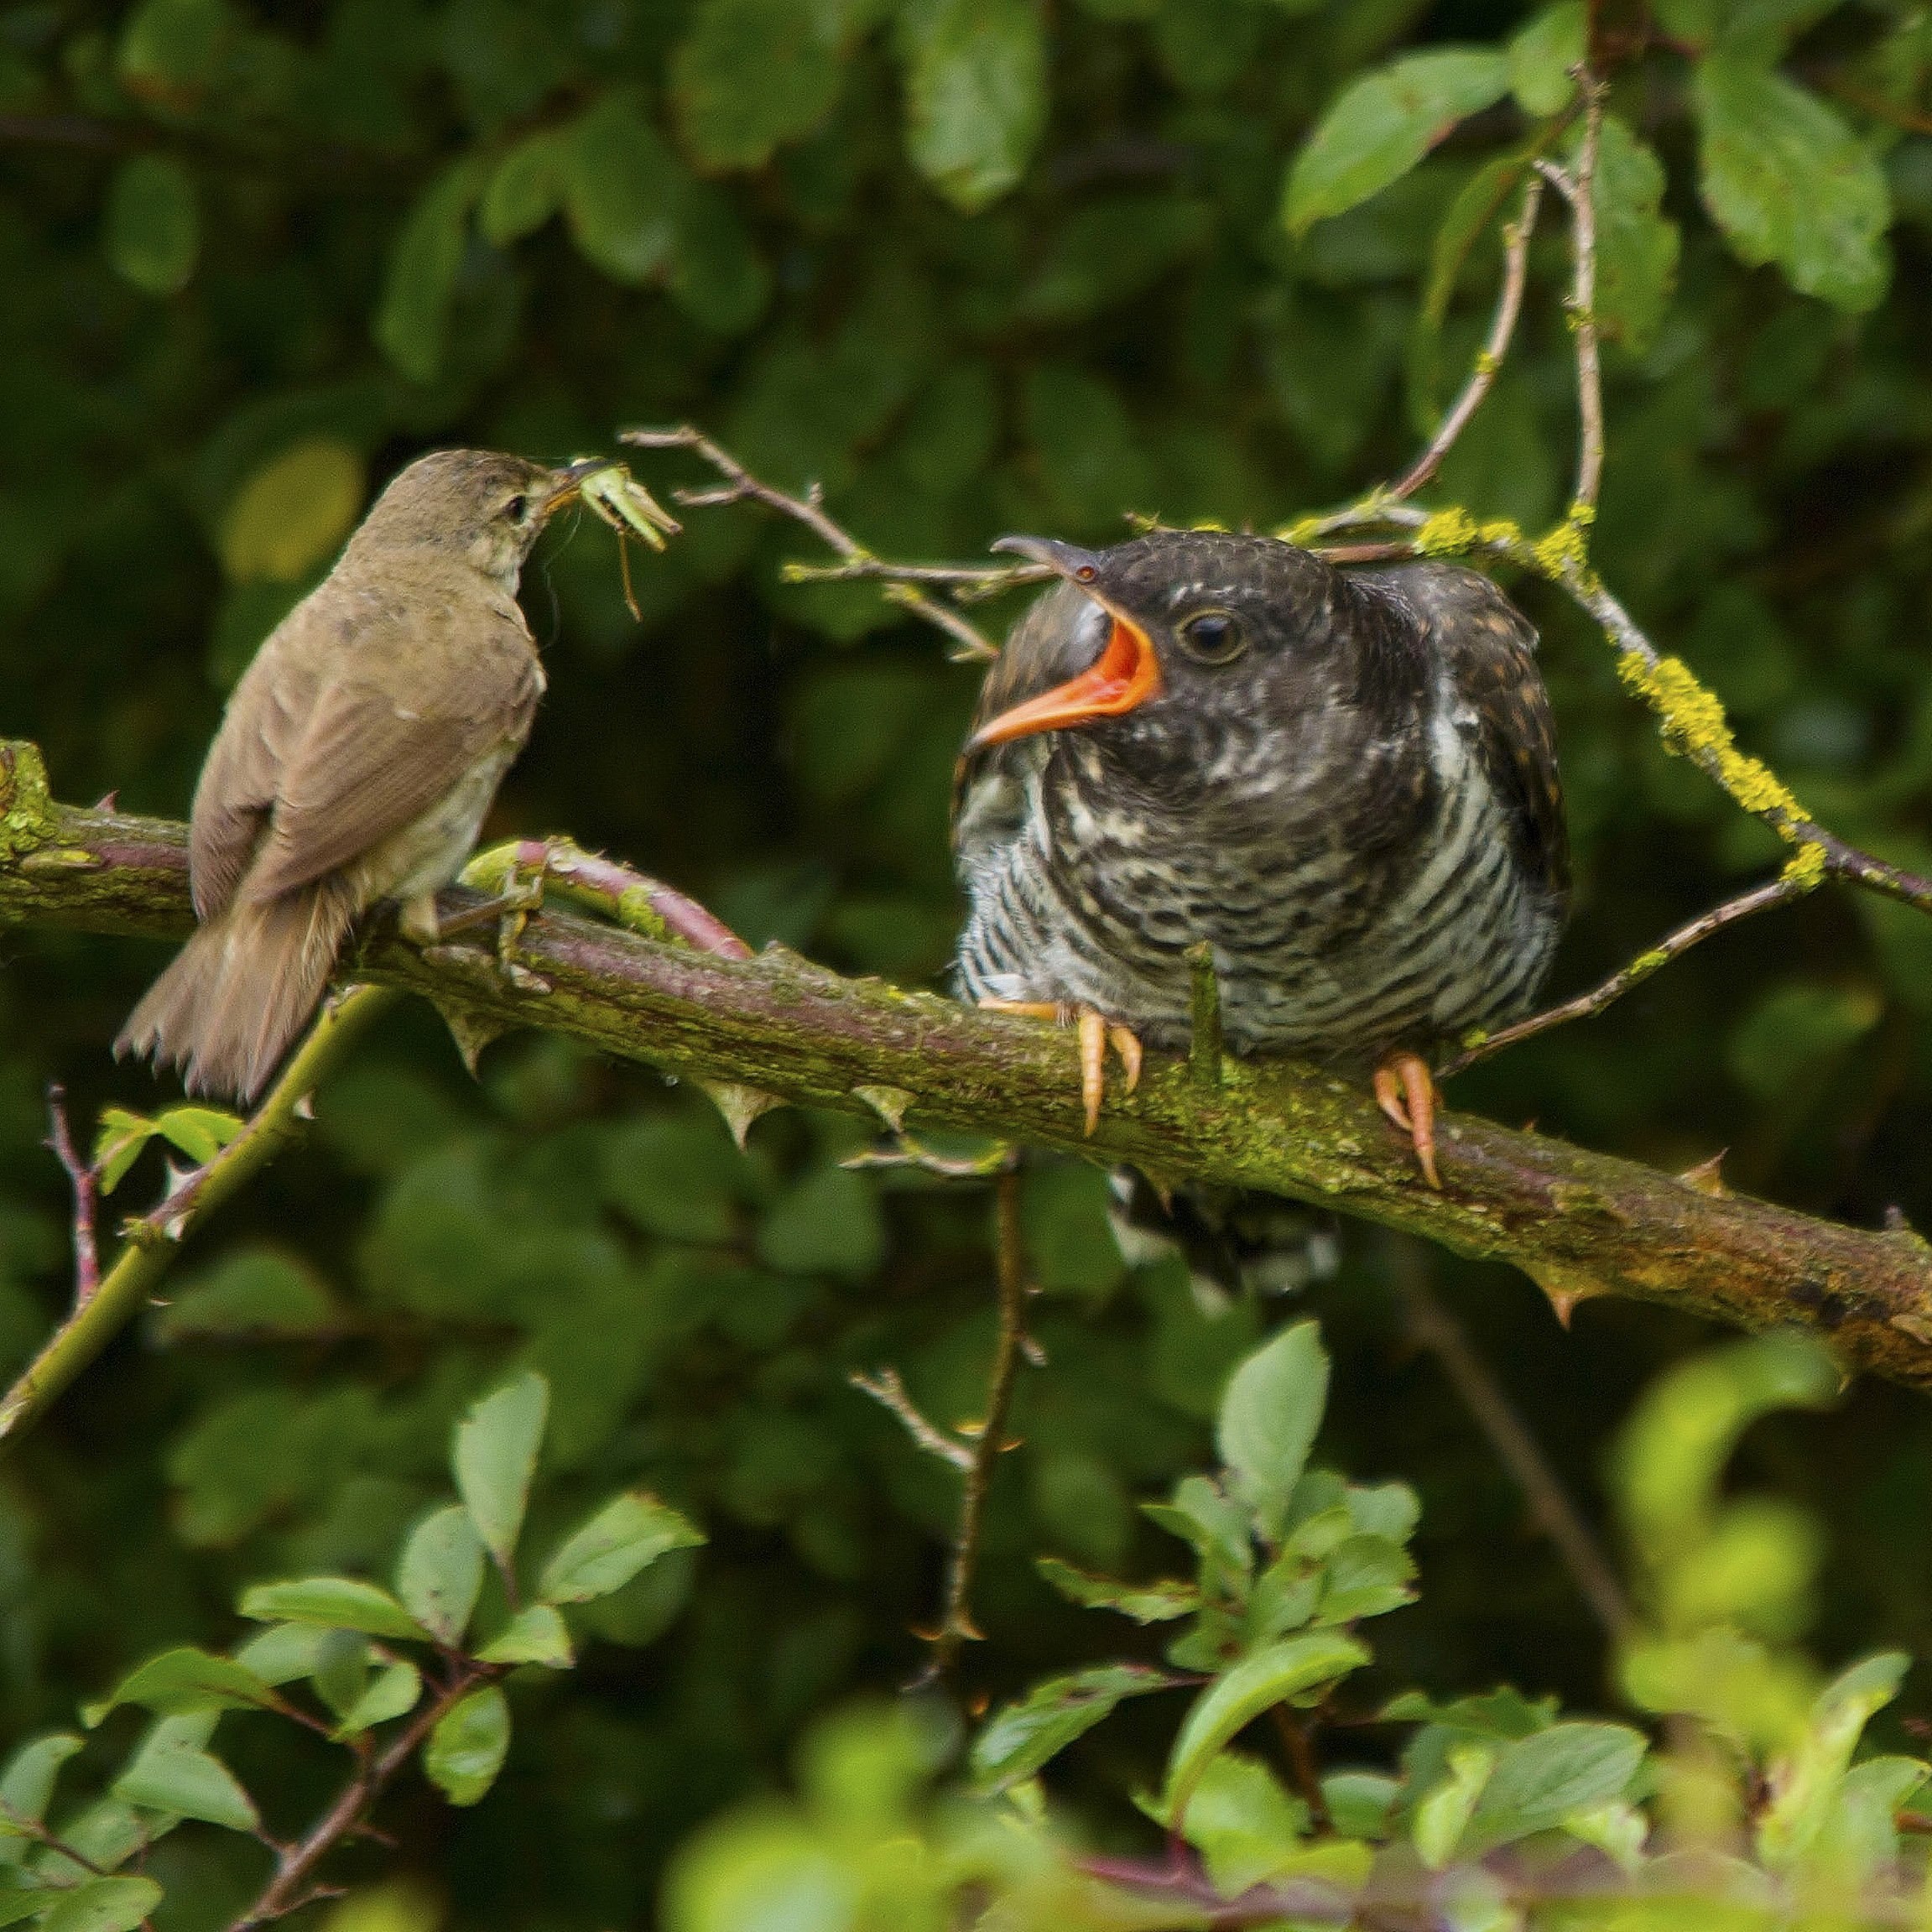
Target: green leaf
(1368, 1577)
(1359, 1802)
(392, 1692)
(495, 1455)
(201, 1133)
(1268, 1417)
(336, 1602)
(439, 1572)
(104, 1905)
(828, 1224)
(1384, 124)
(254, 1292)
(536, 1635)
(602, 1554)
(1442, 1817)
(171, 51)
(27, 1784)
(465, 1751)
(412, 322)
(1017, 1741)
(1144, 1602)
(1243, 1824)
(1541, 55)
(117, 1145)
(283, 1654)
(750, 74)
(525, 190)
(1537, 1781)
(185, 1782)
(976, 94)
(151, 234)
(1805, 1784)
(282, 523)
(1636, 244)
(1789, 182)
(28, 1902)
(621, 191)
(1290, 1668)
(187, 1679)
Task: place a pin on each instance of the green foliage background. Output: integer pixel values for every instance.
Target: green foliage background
(975, 267)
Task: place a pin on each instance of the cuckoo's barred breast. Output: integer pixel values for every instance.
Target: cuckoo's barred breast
(1345, 782)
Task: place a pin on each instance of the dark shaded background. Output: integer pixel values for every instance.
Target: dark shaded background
(1129, 328)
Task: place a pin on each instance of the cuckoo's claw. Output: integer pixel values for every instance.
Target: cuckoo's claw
(1405, 1091)
(1096, 1032)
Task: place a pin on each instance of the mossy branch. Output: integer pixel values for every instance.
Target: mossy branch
(1579, 1224)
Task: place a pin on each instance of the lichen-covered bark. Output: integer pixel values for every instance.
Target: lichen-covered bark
(1579, 1223)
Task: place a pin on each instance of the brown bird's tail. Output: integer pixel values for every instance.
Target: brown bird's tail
(241, 989)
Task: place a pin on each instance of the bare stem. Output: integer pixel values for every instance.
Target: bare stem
(1587, 1005)
(290, 1887)
(83, 1180)
(978, 580)
(1516, 1449)
(956, 1624)
(741, 487)
(1482, 378)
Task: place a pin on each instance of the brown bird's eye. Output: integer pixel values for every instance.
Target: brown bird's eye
(515, 507)
(1213, 637)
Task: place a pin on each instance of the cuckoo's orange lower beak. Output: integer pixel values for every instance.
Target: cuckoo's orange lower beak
(1126, 674)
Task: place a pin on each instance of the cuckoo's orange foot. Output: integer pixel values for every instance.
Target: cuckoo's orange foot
(1405, 1091)
(1096, 1031)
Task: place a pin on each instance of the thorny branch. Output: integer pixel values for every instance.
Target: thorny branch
(83, 1181)
(742, 487)
(990, 1443)
(753, 1033)
(887, 1388)
(291, 1885)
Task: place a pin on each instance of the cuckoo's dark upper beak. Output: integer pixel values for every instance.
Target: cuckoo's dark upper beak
(1125, 675)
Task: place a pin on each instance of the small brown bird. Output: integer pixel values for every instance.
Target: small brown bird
(1345, 781)
(356, 760)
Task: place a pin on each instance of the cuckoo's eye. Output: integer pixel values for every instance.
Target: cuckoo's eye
(1213, 637)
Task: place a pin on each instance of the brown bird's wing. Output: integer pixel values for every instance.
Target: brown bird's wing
(1492, 651)
(375, 757)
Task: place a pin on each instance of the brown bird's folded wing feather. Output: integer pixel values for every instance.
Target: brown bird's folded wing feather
(367, 767)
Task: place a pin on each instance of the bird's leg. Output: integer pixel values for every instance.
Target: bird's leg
(1405, 1091)
(1097, 1032)
(508, 909)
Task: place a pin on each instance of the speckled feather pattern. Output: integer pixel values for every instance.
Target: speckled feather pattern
(1360, 813)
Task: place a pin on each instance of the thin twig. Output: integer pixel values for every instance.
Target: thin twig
(956, 1624)
(1587, 1005)
(288, 1890)
(980, 579)
(1439, 1331)
(18, 1822)
(741, 486)
(1580, 191)
(154, 1240)
(83, 1179)
(1482, 378)
(889, 1392)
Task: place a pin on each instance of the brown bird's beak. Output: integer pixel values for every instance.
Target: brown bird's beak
(1126, 674)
